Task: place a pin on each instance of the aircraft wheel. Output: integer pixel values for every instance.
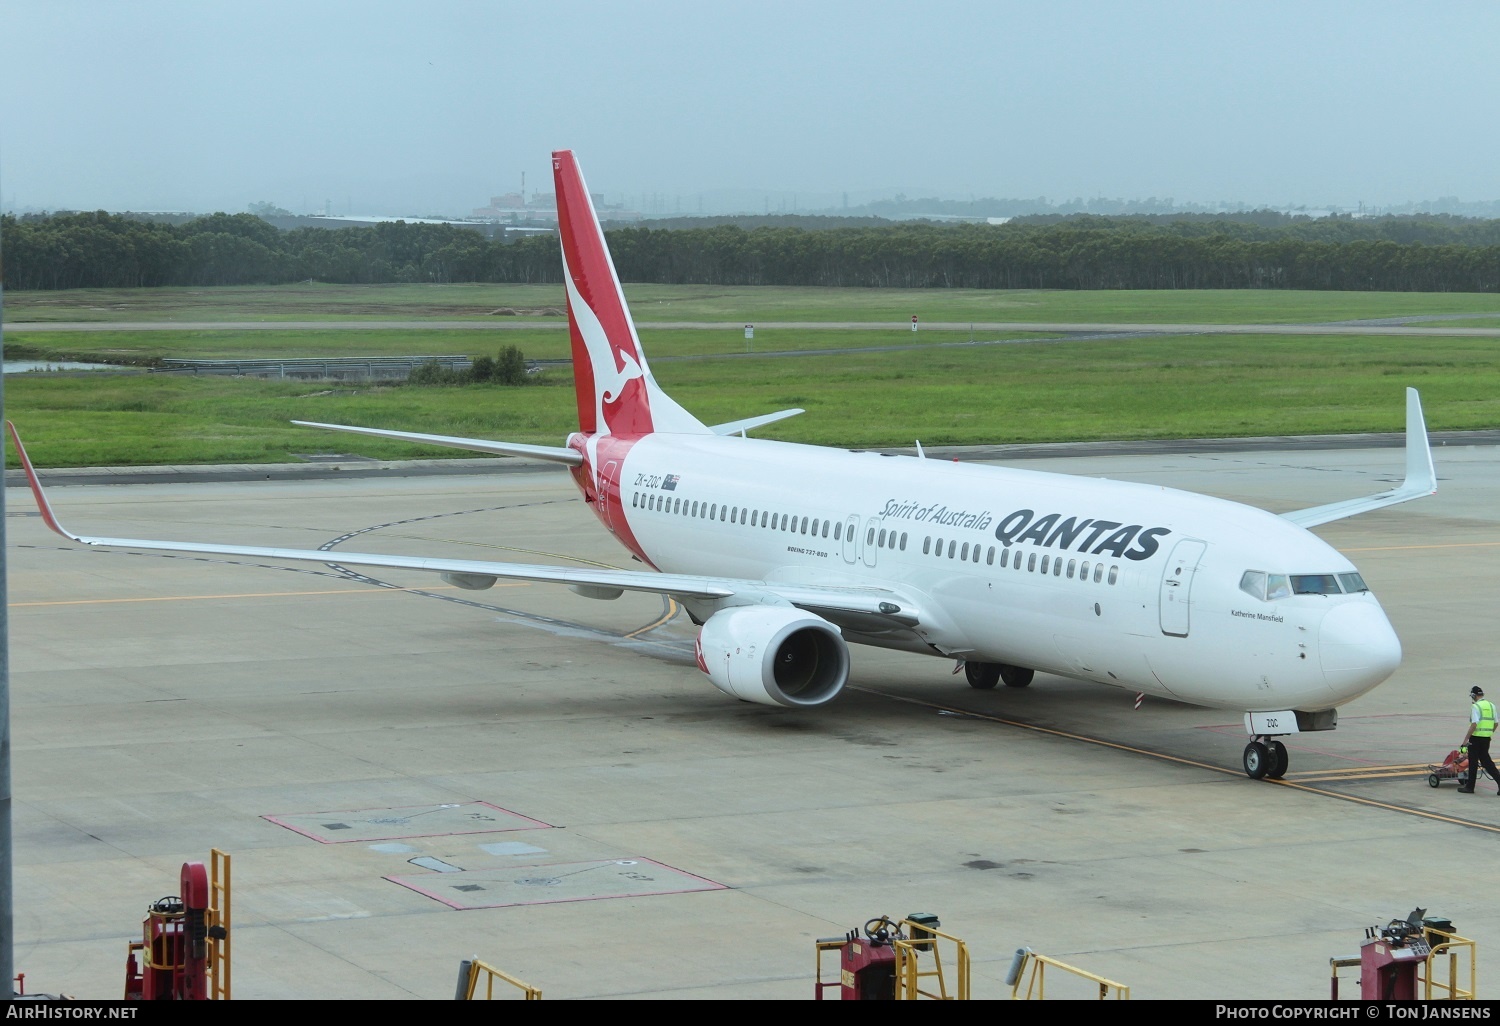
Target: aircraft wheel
(982, 675)
(1280, 760)
(1433, 781)
(1016, 676)
(1257, 760)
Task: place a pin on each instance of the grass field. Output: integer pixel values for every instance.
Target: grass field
(550, 343)
(734, 304)
(1190, 386)
(879, 387)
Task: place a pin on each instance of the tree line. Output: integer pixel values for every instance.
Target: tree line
(1398, 254)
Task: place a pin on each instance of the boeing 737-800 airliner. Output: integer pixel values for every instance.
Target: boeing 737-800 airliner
(786, 553)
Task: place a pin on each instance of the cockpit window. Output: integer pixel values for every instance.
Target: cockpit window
(1274, 587)
(1315, 584)
(1353, 583)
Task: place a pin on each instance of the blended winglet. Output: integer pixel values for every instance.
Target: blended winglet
(1420, 481)
(36, 487)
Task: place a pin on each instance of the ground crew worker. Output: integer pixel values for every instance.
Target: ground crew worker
(1481, 729)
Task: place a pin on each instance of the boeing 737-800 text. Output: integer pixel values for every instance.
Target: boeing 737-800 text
(785, 553)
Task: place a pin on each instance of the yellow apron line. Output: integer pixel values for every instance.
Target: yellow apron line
(1314, 777)
(1355, 771)
(1187, 762)
(669, 614)
(367, 590)
(1441, 818)
(1044, 730)
(1446, 545)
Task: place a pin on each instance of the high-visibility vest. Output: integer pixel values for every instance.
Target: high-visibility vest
(1486, 725)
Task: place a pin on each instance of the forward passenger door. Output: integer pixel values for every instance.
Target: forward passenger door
(1177, 587)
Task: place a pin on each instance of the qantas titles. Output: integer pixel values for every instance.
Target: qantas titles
(1095, 537)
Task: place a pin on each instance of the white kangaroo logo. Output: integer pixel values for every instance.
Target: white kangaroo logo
(609, 381)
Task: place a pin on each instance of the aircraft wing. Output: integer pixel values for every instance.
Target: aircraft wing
(478, 574)
(1421, 477)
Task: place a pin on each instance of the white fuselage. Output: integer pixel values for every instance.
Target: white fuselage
(1126, 584)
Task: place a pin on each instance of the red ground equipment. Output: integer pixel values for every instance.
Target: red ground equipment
(1454, 767)
(1392, 957)
(867, 957)
(184, 943)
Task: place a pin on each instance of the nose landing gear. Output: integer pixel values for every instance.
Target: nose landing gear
(1265, 757)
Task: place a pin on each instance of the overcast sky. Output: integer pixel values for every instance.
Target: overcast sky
(402, 107)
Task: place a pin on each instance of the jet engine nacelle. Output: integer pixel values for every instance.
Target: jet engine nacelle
(773, 655)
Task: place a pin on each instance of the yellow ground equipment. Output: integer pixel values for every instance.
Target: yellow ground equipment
(471, 971)
(1031, 969)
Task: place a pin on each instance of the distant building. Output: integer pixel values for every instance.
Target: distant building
(540, 208)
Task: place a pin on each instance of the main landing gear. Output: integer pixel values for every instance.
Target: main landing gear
(986, 675)
(1265, 758)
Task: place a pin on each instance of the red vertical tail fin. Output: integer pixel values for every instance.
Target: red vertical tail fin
(615, 390)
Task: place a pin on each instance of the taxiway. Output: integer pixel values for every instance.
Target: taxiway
(406, 776)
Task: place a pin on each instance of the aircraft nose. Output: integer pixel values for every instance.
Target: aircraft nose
(1358, 647)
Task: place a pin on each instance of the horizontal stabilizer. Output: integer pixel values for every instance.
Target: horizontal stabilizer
(1421, 477)
(551, 453)
(736, 427)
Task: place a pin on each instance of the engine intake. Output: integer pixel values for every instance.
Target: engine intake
(773, 655)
